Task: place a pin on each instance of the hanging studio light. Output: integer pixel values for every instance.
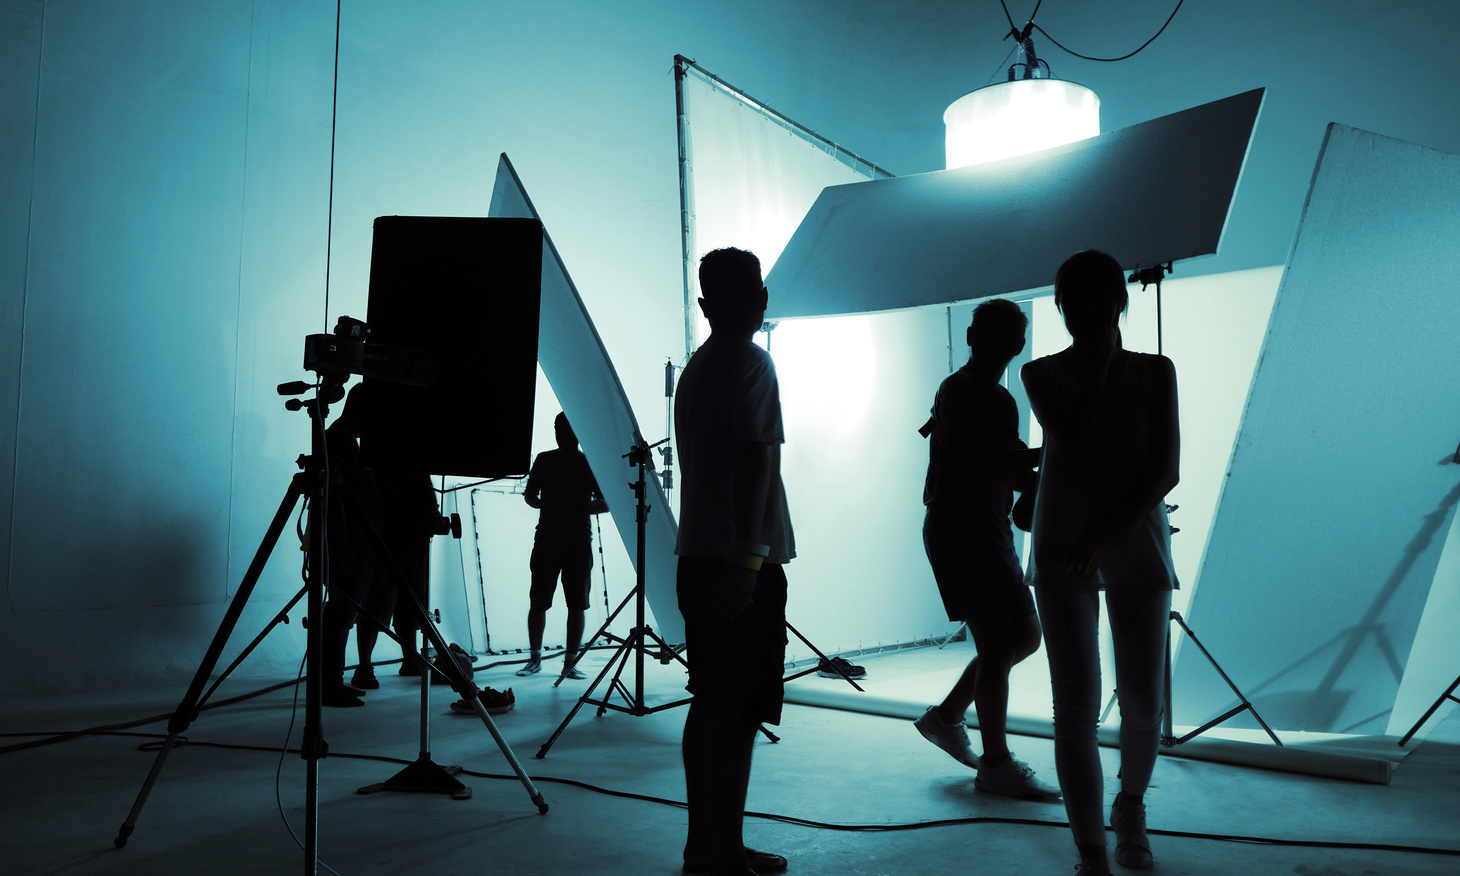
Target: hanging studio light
(1025, 114)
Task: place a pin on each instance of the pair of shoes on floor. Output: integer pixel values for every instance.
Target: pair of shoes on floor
(573, 673)
(1132, 846)
(1013, 778)
(364, 678)
(952, 738)
(338, 695)
(837, 667)
(760, 862)
(533, 667)
(498, 702)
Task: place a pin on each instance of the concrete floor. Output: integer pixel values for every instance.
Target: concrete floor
(213, 809)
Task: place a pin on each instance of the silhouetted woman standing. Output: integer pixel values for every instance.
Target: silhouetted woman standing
(1111, 454)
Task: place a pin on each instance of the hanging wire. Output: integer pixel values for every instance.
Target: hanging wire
(1015, 32)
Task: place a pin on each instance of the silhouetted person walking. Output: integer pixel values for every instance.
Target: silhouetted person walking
(975, 461)
(734, 536)
(1111, 454)
(562, 488)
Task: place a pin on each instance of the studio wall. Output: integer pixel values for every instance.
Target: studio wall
(165, 186)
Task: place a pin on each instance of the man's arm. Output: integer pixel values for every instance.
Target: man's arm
(532, 493)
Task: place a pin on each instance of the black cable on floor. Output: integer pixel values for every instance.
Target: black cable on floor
(53, 737)
(825, 825)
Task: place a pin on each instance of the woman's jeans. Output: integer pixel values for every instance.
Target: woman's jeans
(1069, 611)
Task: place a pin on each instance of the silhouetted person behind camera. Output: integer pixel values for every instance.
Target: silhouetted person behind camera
(975, 461)
(1111, 454)
(561, 486)
(349, 556)
(734, 536)
(408, 507)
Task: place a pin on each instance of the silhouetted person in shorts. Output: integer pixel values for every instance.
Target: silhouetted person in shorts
(1112, 450)
(734, 536)
(975, 461)
(562, 488)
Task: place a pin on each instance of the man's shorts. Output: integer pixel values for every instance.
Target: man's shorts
(743, 659)
(573, 557)
(974, 580)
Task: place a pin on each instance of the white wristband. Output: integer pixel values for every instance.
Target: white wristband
(750, 547)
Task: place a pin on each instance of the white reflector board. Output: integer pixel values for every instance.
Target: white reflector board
(582, 377)
(1340, 491)
(1150, 193)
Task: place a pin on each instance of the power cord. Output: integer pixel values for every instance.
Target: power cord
(822, 825)
(1016, 32)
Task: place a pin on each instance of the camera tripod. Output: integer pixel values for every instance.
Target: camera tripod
(311, 484)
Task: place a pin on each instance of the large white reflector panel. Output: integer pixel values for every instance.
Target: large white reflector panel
(1339, 494)
(582, 377)
(1150, 193)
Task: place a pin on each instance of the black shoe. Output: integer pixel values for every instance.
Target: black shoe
(364, 679)
(340, 696)
(828, 669)
(498, 702)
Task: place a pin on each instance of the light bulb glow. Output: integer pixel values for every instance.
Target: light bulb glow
(1018, 117)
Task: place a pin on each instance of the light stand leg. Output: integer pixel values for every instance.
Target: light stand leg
(1246, 706)
(1449, 694)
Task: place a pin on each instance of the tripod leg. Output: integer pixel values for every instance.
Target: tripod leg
(187, 710)
(571, 660)
(845, 677)
(619, 658)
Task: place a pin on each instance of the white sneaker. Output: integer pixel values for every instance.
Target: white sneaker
(533, 667)
(952, 738)
(1014, 778)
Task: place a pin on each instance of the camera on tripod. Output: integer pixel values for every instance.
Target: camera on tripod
(334, 357)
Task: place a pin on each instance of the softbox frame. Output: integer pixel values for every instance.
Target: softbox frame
(468, 291)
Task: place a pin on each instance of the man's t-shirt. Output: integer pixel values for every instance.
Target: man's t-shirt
(727, 393)
(562, 486)
(973, 456)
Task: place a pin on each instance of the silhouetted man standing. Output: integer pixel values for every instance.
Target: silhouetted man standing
(734, 536)
(562, 488)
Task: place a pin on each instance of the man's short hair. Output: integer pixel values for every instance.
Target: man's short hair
(729, 272)
(998, 327)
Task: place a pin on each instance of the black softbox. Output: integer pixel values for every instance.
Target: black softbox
(468, 291)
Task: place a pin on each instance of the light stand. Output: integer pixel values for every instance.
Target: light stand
(639, 638)
(311, 483)
(1148, 277)
(424, 776)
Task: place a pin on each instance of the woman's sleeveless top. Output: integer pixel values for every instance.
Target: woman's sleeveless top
(1072, 490)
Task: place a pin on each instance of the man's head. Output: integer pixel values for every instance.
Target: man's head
(564, 433)
(997, 332)
(734, 296)
(1090, 291)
